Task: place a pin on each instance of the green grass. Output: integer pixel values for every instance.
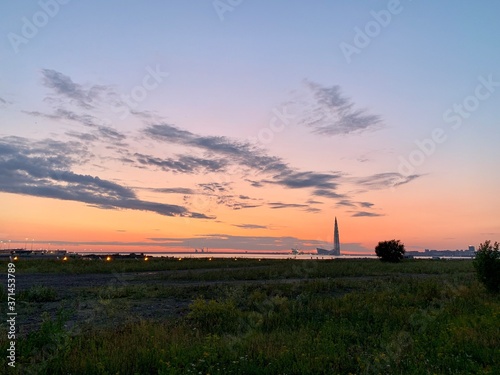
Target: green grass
(270, 268)
(38, 293)
(420, 317)
(85, 266)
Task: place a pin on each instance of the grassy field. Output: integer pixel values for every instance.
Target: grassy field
(256, 317)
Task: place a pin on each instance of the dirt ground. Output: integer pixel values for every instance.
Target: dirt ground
(100, 307)
(90, 300)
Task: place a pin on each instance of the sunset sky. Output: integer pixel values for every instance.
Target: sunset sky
(249, 125)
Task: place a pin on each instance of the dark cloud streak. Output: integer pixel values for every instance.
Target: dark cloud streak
(41, 169)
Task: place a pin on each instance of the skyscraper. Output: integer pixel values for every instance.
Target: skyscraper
(336, 243)
(336, 239)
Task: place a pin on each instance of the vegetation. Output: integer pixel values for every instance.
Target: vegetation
(420, 316)
(390, 251)
(38, 293)
(487, 265)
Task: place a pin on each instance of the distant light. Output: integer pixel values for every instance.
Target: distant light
(15, 258)
(108, 259)
(209, 258)
(146, 258)
(180, 258)
(65, 258)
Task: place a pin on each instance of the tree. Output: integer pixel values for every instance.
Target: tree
(487, 265)
(390, 251)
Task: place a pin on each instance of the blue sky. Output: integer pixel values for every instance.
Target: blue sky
(226, 71)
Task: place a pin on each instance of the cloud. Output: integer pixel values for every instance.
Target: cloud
(385, 180)
(365, 214)
(327, 194)
(250, 226)
(241, 153)
(42, 169)
(86, 137)
(214, 187)
(101, 131)
(63, 114)
(64, 86)
(222, 152)
(349, 203)
(185, 191)
(313, 210)
(183, 164)
(346, 202)
(298, 180)
(366, 204)
(328, 112)
(279, 205)
(312, 201)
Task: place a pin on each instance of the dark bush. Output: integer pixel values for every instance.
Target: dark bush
(390, 251)
(487, 265)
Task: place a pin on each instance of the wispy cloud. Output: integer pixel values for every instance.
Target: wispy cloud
(43, 169)
(241, 153)
(327, 194)
(300, 180)
(365, 214)
(183, 163)
(250, 226)
(102, 132)
(221, 151)
(327, 111)
(63, 86)
(385, 180)
(279, 205)
(178, 190)
(86, 137)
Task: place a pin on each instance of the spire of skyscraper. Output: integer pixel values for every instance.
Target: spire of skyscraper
(336, 238)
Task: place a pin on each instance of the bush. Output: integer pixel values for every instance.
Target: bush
(487, 265)
(390, 251)
(214, 316)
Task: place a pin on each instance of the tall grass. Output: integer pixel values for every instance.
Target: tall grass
(444, 323)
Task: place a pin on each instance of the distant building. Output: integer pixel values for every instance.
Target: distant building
(469, 253)
(336, 243)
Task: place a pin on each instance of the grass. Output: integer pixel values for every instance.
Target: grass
(352, 316)
(270, 268)
(38, 293)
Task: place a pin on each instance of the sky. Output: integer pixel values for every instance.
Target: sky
(248, 125)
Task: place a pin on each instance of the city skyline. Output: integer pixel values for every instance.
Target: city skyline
(249, 125)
